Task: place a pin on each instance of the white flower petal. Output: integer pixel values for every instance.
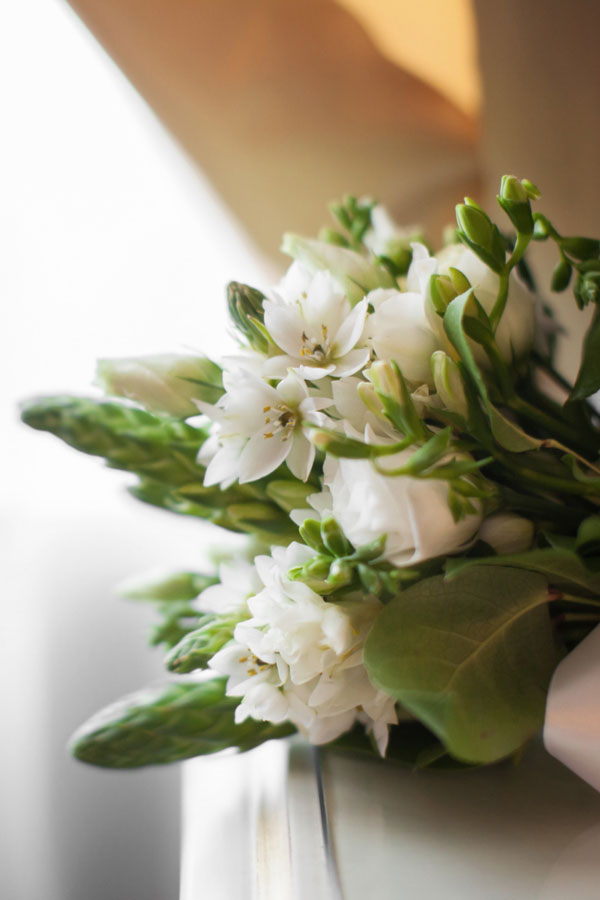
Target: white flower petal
(262, 455)
(301, 457)
(352, 362)
(285, 326)
(351, 329)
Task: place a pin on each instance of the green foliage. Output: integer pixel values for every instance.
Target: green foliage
(561, 565)
(162, 452)
(246, 312)
(158, 448)
(169, 723)
(410, 744)
(338, 568)
(197, 647)
(171, 596)
(354, 217)
(588, 377)
(470, 658)
(179, 587)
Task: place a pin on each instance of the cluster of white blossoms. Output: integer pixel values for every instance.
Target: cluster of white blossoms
(334, 318)
(298, 657)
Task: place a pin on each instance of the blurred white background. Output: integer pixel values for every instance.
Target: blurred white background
(111, 245)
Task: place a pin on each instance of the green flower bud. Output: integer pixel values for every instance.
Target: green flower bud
(561, 276)
(329, 236)
(587, 288)
(542, 227)
(442, 292)
(512, 190)
(195, 649)
(532, 191)
(334, 538)
(310, 532)
(514, 200)
(368, 395)
(165, 383)
(318, 567)
(384, 378)
(340, 573)
(449, 384)
(246, 311)
(459, 280)
(478, 232)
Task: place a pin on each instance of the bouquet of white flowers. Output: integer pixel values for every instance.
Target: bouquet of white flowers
(420, 484)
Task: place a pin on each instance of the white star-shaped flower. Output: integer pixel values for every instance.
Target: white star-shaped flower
(258, 427)
(311, 320)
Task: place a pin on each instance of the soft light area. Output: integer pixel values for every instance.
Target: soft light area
(111, 245)
(434, 39)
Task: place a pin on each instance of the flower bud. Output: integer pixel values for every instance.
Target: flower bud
(587, 288)
(514, 200)
(384, 378)
(246, 310)
(356, 274)
(459, 280)
(512, 191)
(542, 229)
(532, 191)
(329, 236)
(507, 533)
(165, 383)
(442, 292)
(561, 276)
(449, 384)
(478, 232)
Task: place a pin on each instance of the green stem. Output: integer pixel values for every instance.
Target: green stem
(574, 598)
(549, 482)
(517, 254)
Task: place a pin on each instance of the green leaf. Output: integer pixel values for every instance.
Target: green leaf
(588, 377)
(562, 567)
(169, 723)
(588, 536)
(470, 658)
(510, 435)
(506, 433)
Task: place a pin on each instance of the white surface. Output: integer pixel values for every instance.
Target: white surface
(252, 827)
(526, 832)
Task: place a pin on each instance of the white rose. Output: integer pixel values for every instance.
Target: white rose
(412, 512)
(516, 329)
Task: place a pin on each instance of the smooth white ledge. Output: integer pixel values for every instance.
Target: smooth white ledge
(287, 823)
